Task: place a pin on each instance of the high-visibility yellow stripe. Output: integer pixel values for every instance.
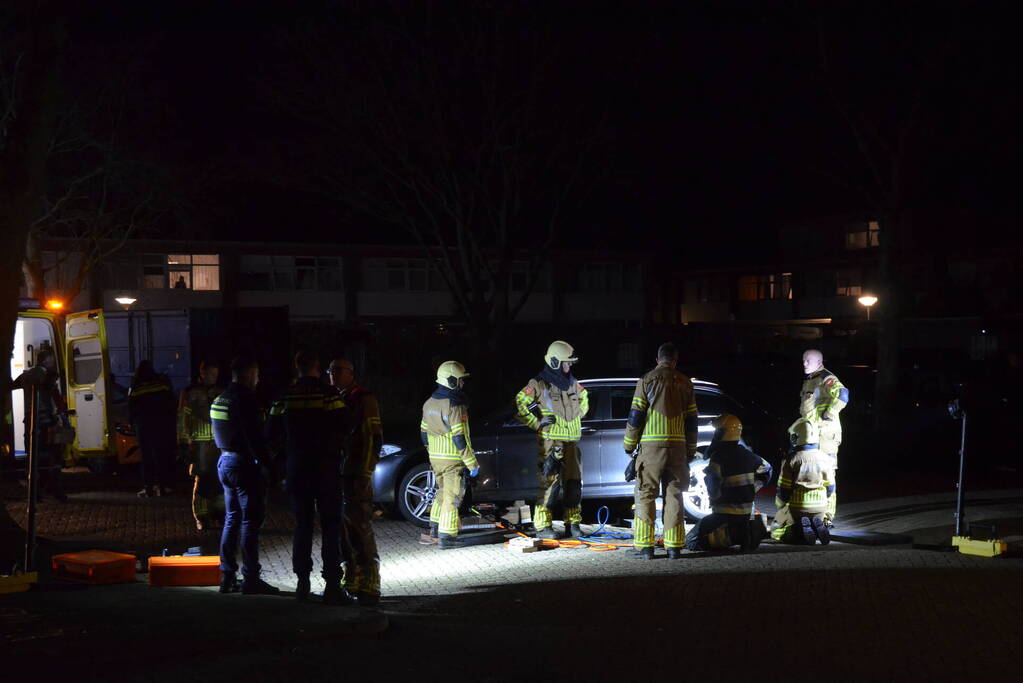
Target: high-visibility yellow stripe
(643, 534)
(541, 517)
(674, 537)
(744, 479)
(733, 508)
(147, 388)
(660, 427)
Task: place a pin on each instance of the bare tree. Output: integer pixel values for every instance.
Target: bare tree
(30, 57)
(888, 127)
(447, 126)
(97, 199)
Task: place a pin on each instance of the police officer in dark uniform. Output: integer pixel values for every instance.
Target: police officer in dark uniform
(306, 425)
(238, 432)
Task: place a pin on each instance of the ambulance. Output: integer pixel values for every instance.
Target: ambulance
(79, 341)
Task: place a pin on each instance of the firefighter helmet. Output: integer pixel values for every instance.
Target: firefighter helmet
(727, 428)
(559, 352)
(804, 433)
(449, 373)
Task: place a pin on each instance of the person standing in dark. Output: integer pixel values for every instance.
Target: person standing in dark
(152, 412)
(238, 432)
(306, 427)
(50, 406)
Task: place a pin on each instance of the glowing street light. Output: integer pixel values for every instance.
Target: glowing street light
(867, 301)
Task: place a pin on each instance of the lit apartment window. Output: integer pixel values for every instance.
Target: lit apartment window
(263, 273)
(765, 287)
(849, 282)
(181, 271)
(863, 236)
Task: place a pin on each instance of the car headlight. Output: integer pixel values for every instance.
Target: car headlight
(388, 449)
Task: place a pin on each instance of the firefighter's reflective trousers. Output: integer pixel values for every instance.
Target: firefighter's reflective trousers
(656, 465)
(362, 562)
(566, 484)
(207, 492)
(444, 511)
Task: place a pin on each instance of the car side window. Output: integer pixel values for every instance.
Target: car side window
(621, 402)
(710, 403)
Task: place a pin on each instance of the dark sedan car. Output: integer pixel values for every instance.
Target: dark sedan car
(507, 454)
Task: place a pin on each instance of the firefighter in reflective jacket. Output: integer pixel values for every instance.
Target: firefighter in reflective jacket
(663, 423)
(821, 399)
(195, 437)
(733, 476)
(305, 429)
(804, 489)
(560, 402)
(445, 433)
(363, 440)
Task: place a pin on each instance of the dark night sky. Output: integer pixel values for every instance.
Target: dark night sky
(716, 116)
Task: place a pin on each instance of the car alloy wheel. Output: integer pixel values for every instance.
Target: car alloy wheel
(417, 493)
(697, 500)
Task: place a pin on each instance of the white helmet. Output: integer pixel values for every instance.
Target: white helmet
(449, 373)
(559, 352)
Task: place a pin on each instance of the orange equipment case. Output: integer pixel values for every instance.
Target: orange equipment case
(184, 570)
(95, 566)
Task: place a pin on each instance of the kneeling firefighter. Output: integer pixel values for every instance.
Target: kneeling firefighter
(561, 402)
(445, 433)
(733, 477)
(805, 487)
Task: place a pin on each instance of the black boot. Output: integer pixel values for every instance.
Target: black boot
(432, 537)
(334, 594)
(303, 588)
(758, 531)
(449, 541)
(547, 533)
(642, 553)
(257, 586)
(674, 553)
(574, 531)
(228, 582)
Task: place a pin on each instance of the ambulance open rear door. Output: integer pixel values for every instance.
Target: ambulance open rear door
(88, 371)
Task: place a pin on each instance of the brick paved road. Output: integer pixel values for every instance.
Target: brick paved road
(843, 612)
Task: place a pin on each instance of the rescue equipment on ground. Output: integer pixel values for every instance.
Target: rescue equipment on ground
(96, 567)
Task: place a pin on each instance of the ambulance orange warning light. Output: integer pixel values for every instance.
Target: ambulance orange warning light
(54, 305)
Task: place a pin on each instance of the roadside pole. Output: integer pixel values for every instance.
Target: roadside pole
(33, 483)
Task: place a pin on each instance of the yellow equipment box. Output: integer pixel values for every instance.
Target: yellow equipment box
(17, 583)
(988, 548)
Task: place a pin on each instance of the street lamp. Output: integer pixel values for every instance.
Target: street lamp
(868, 302)
(125, 301)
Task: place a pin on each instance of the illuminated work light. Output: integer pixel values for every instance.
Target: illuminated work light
(125, 300)
(54, 305)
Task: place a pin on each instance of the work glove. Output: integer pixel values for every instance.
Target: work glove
(183, 454)
(474, 472)
(191, 469)
(630, 470)
(545, 421)
(551, 466)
